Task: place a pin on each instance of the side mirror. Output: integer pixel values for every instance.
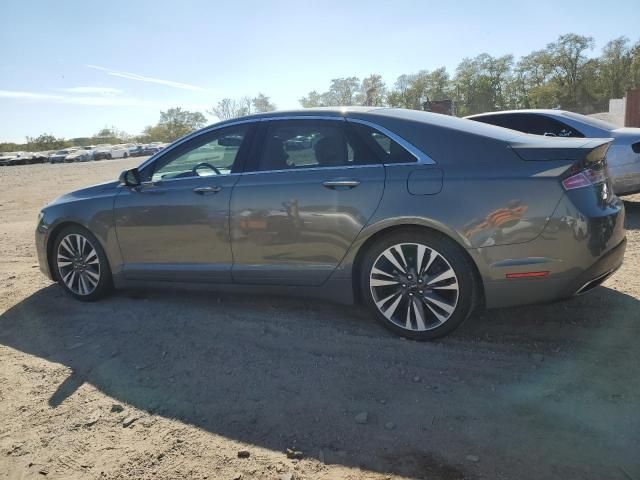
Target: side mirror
(130, 178)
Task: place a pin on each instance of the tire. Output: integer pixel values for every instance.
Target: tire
(418, 305)
(126, 155)
(109, 156)
(85, 276)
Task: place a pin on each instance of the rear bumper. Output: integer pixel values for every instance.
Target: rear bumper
(598, 272)
(575, 252)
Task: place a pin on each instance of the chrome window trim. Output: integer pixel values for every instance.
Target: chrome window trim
(160, 183)
(311, 169)
(421, 157)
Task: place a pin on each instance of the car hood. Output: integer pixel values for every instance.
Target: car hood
(99, 190)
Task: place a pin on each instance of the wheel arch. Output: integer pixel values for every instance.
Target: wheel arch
(375, 236)
(51, 240)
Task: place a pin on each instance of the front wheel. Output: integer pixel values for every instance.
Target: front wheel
(80, 264)
(418, 284)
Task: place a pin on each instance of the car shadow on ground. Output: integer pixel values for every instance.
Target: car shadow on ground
(280, 373)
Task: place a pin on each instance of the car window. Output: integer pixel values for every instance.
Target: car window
(213, 153)
(387, 149)
(532, 123)
(296, 144)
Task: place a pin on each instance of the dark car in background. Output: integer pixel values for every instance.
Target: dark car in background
(421, 217)
(623, 156)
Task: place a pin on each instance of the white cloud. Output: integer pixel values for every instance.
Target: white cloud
(106, 91)
(141, 78)
(90, 100)
(96, 101)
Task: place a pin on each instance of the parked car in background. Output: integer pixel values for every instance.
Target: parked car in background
(91, 149)
(131, 148)
(137, 151)
(419, 216)
(19, 158)
(8, 158)
(60, 155)
(41, 157)
(119, 151)
(298, 143)
(623, 156)
(151, 148)
(110, 151)
(80, 155)
(102, 151)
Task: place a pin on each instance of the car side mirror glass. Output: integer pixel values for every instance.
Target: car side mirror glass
(130, 178)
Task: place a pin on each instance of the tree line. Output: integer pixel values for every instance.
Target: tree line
(561, 75)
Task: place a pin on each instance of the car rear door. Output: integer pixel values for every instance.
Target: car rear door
(309, 189)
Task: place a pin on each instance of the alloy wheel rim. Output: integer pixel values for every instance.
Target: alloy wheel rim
(78, 264)
(414, 286)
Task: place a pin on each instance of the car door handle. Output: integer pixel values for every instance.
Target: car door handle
(341, 183)
(206, 190)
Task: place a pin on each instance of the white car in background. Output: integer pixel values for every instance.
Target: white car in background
(110, 151)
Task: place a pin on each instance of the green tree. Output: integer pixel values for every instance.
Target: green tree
(313, 99)
(568, 57)
(615, 68)
(372, 91)
(178, 122)
(261, 103)
(482, 83)
(45, 142)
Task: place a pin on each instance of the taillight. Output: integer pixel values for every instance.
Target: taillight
(584, 178)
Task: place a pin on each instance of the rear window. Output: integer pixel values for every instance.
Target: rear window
(388, 150)
(533, 123)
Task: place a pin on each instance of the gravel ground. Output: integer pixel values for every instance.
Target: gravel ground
(173, 385)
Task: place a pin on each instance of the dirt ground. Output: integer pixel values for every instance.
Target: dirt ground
(172, 385)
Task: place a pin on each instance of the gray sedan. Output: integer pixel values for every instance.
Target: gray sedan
(420, 217)
(623, 156)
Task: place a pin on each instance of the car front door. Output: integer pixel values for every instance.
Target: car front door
(175, 225)
(309, 189)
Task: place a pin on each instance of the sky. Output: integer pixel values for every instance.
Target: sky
(71, 67)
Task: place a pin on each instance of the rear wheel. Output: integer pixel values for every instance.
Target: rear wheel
(109, 157)
(126, 155)
(80, 264)
(418, 284)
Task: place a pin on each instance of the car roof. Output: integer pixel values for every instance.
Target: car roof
(375, 114)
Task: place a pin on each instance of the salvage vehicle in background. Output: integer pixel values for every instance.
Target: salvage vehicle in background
(110, 151)
(60, 155)
(80, 155)
(41, 157)
(8, 158)
(419, 216)
(91, 149)
(623, 156)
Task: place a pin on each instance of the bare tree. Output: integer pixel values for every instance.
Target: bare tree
(238, 107)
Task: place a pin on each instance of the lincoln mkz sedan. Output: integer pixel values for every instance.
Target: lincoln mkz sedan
(418, 216)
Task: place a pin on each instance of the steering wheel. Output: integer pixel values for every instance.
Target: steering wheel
(208, 165)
